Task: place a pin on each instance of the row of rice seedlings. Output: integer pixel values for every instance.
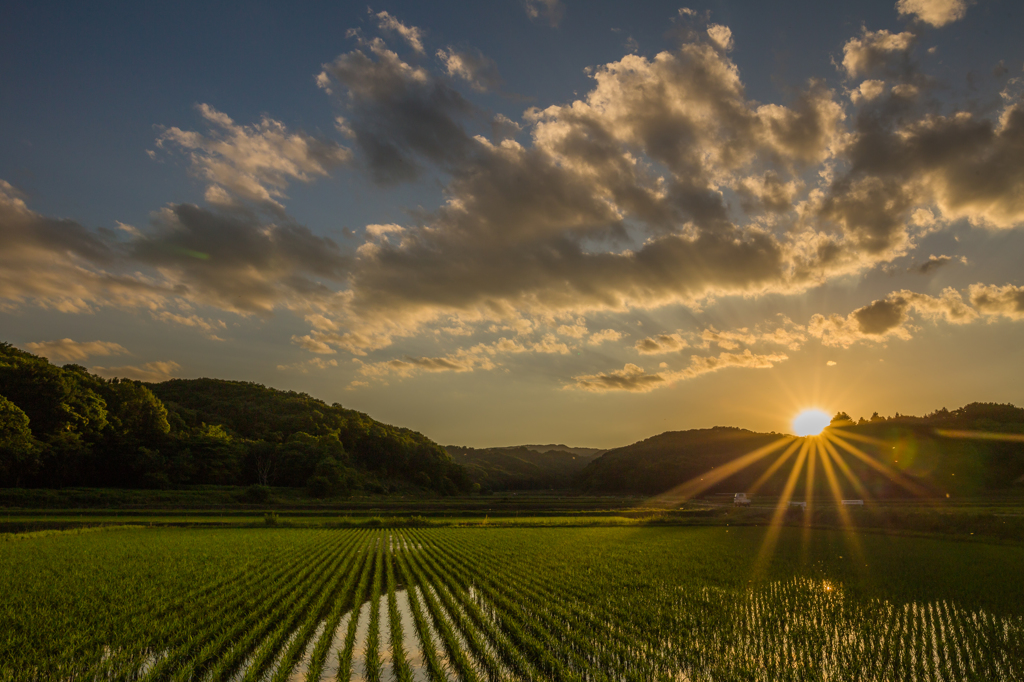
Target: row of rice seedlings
(518, 623)
(171, 615)
(819, 632)
(435, 667)
(606, 651)
(254, 638)
(583, 651)
(504, 652)
(359, 614)
(470, 637)
(300, 639)
(372, 666)
(202, 634)
(323, 659)
(494, 639)
(102, 642)
(400, 667)
(460, 645)
(132, 663)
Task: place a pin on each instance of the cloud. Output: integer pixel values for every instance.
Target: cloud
(1006, 301)
(831, 363)
(255, 162)
(630, 378)
(876, 50)
(312, 364)
(662, 343)
(935, 167)
(721, 36)
(934, 12)
(597, 338)
(67, 349)
(552, 11)
(887, 318)
(867, 91)
(409, 34)
(400, 114)
(151, 371)
(934, 263)
(576, 331)
(471, 66)
(307, 342)
(542, 229)
(207, 325)
(634, 379)
(234, 262)
(59, 264)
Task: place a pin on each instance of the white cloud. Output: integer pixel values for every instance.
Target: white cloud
(661, 343)
(597, 338)
(721, 36)
(934, 12)
(634, 379)
(255, 162)
(471, 66)
(874, 50)
(994, 301)
(888, 318)
(153, 372)
(67, 349)
(410, 34)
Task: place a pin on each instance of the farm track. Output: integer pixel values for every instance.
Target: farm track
(426, 605)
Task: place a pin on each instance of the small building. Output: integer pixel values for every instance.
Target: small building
(741, 499)
(800, 505)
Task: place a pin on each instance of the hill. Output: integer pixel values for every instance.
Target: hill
(63, 426)
(978, 448)
(523, 467)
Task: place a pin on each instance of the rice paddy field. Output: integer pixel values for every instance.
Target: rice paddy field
(489, 604)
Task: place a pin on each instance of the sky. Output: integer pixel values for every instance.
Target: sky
(524, 221)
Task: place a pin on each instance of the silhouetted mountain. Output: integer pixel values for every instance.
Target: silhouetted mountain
(965, 451)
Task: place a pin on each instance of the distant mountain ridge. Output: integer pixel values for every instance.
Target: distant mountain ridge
(523, 467)
(586, 452)
(975, 449)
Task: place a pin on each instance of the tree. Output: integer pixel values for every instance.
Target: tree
(841, 418)
(17, 449)
(134, 412)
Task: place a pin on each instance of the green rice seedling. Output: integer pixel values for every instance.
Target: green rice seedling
(400, 667)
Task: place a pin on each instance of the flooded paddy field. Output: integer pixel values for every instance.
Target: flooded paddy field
(629, 603)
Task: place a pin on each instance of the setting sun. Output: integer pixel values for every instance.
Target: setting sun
(810, 422)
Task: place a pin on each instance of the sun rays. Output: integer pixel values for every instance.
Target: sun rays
(809, 473)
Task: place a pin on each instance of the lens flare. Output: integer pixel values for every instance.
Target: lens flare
(810, 422)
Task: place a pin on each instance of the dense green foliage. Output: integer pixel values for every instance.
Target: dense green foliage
(635, 604)
(62, 426)
(919, 450)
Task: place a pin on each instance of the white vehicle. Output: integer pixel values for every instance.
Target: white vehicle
(741, 499)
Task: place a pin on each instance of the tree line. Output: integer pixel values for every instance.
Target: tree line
(63, 426)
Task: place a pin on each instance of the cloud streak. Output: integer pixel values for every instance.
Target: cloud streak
(634, 379)
(68, 349)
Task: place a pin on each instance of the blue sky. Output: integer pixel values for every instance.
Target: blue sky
(524, 221)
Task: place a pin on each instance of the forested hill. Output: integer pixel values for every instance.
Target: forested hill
(63, 426)
(961, 452)
(523, 467)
